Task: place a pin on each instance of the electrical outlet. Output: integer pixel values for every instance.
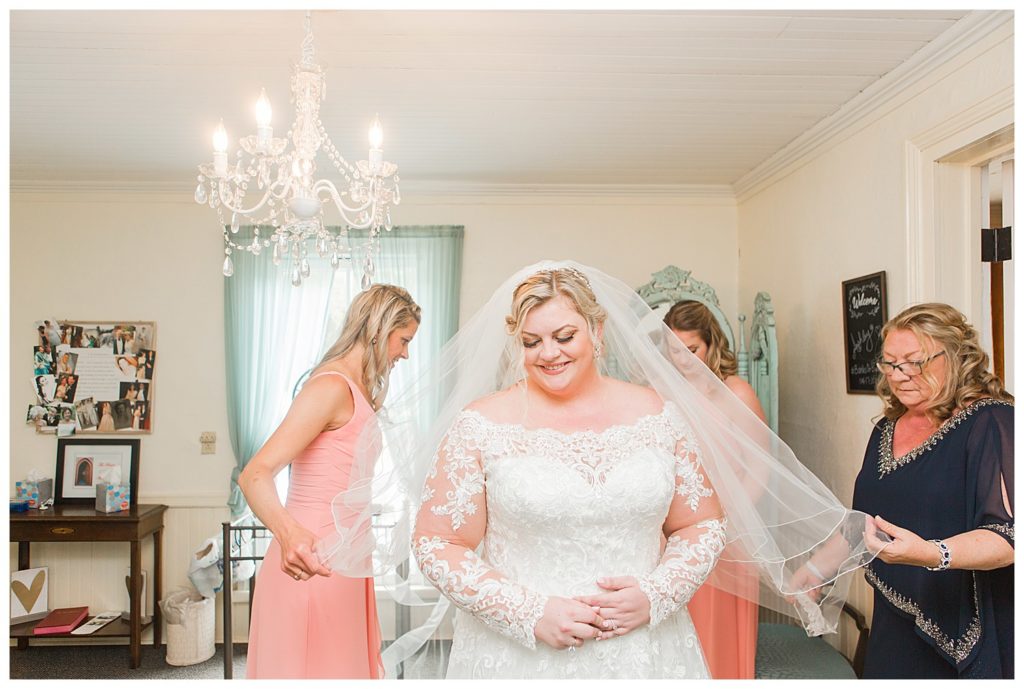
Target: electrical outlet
(208, 442)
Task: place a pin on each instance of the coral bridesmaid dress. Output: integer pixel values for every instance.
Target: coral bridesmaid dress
(727, 629)
(325, 627)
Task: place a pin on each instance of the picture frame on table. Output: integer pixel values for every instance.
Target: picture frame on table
(82, 463)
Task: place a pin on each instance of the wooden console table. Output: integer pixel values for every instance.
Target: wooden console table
(76, 523)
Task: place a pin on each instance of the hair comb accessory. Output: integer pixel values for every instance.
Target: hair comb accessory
(568, 269)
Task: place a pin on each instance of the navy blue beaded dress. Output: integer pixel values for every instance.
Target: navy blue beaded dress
(954, 623)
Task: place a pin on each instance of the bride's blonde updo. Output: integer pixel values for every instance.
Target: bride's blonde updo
(547, 284)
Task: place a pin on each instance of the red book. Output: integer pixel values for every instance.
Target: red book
(61, 621)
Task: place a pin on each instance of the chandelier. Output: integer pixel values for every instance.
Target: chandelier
(289, 200)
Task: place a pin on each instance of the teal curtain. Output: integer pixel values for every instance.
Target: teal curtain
(427, 261)
(272, 333)
(275, 332)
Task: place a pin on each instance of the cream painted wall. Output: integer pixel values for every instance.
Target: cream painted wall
(841, 215)
(155, 257)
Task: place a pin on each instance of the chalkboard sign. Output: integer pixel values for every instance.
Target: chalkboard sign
(864, 314)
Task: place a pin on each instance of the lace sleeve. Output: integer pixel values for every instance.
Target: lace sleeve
(450, 525)
(696, 529)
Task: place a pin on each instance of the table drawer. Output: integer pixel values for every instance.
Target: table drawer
(72, 531)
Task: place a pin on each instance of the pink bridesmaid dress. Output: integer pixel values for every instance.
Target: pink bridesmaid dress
(727, 628)
(325, 627)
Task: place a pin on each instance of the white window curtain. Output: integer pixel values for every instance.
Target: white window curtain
(275, 332)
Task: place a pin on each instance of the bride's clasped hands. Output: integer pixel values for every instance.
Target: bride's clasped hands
(622, 608)
(568, 623)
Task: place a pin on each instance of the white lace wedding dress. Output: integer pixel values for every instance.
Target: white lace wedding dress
(555, 511)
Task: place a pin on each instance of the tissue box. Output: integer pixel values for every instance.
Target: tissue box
(112, 497)
(36, 492)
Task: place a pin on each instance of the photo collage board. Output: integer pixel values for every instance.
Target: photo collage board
(93, 377)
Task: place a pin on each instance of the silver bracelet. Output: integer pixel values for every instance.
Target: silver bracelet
(814, 570)
(944, 556)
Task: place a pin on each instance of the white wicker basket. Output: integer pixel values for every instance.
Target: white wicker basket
(192, 641)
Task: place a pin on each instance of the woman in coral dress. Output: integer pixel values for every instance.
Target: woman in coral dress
(726, 624)
(306, 621)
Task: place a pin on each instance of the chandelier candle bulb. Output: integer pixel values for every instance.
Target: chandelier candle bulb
(264, 132)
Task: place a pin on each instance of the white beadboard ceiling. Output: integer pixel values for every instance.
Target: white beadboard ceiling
(487, 97)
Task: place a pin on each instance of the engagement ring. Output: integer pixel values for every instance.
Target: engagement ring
(296, 577)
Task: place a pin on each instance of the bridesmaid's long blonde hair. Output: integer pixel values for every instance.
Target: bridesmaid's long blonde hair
(374, 314)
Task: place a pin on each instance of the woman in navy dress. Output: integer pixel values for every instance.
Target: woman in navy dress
(938, 473)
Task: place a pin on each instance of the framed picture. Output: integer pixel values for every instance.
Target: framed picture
(865, 311)
(110, 364)
(81, 464)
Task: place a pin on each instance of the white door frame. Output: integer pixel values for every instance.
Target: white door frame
(944, 203)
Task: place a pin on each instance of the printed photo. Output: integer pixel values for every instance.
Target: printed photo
(140, 416)
(86, 411)
(91, 338)
(71, 334)
(121, 340)
(66, 362)
(45, 387)
(145, 360)
(144, 336)
(83, 471)
(65, 390)
(134, 391)
(126, 366)
(49, 333)
(106, 424)
(36, 415)
(121, 410)
(42, 358)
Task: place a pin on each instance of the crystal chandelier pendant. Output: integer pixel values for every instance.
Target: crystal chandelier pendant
(274, 183)
(229, 267)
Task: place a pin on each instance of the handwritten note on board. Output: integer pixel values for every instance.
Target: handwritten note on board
(865, 311)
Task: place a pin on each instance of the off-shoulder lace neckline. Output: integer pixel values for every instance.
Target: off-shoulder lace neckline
(543, 430)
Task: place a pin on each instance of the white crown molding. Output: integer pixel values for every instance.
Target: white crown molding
(422, 190)
(52, 186)
(926, 67)
(479, 189)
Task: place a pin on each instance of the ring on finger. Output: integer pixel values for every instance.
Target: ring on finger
(297, 576)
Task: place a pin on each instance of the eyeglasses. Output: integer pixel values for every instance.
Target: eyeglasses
(907, 368)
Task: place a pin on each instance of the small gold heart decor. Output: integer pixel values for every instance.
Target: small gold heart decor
(28, 595)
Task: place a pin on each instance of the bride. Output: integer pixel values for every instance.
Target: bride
(582, 473)
(548, 452)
